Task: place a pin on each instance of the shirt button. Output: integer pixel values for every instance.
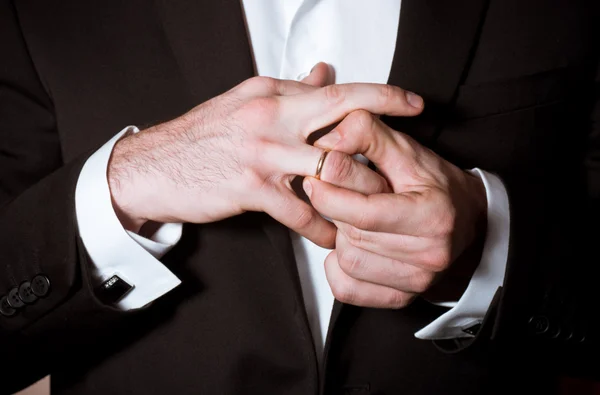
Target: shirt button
(301, 76)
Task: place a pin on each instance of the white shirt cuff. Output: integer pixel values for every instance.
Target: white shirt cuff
(489, 275)
(112, 249)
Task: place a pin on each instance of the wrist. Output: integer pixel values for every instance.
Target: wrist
(121, 179)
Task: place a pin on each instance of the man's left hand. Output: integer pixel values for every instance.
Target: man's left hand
(394, 240)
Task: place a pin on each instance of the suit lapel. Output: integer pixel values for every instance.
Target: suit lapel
(279, 236)
(435, 43)
(280, 239)
(209, 42)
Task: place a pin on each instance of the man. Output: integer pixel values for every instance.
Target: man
(103, 289)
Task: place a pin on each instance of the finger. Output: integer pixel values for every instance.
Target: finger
(319, 75)
(315, 110)
(380, 269)
(424, 252)
(363, 133)
(384, 212)
(284, 206)
(343, 171)
(290, 88)
(361, 293)
(267, 87)
(300, 159)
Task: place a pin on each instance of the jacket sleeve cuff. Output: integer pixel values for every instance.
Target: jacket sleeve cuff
(467, 314)
(112, 249)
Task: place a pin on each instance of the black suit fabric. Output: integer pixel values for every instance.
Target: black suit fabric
(510, 86)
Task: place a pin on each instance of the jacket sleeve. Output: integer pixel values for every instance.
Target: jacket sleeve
(47, 303)
(546, 311)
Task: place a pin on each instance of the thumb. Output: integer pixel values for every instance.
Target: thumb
(320, 75)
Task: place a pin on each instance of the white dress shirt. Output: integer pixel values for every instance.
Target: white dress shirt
(357, 38)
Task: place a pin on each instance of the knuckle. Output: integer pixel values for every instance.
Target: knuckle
(343, 292)
(400, 299)
(386, 92)
(365, 221)
(303, 218)
(420, 282)
(363, 120)
(261, 83)
(261, 108)
(334, 94)
(351, 262)
(340, 167)
(437, 260)
(249, 85)
(355, 236)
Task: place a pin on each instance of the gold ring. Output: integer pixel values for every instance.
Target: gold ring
(320, 164)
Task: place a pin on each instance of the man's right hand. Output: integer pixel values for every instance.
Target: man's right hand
(239, 152)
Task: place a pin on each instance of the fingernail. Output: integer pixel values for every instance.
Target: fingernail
(329, 140)
(307, 187)
(414, 99)
(313, 68)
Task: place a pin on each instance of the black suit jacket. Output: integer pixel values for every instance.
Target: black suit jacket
(511, 86)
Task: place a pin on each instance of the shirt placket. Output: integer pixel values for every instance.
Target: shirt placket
(298, 53)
